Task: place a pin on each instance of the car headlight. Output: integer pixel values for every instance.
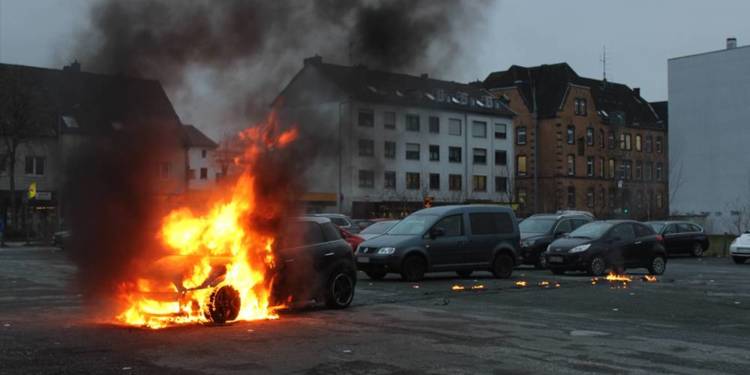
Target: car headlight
(580, 248)
(386, 250)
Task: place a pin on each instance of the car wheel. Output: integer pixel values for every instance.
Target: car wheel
(541, 263)
(658, 265)
(697, 250)
(376, 274)
(739, 260)
(223, 304)
(340, 289)
(413, 268)
(597, 266)
(464, 274)
(557, 271)
(502, 267)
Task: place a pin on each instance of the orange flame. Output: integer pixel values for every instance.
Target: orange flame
(521, 284)
(615, 277)
(458, 287)
(208, 250)
(649, 278)
(477, 287)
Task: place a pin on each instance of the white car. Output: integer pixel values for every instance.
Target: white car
(740, 248)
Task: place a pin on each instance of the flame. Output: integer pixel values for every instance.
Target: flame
(210, 249)
(477, 287)
(521, 284)
(649, 278)
(544, 284)
(615, 277)
(458, 287)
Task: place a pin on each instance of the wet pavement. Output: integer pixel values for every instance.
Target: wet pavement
(694, 320)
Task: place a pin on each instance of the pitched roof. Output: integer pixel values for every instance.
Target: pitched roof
(551, 82)
(196, 138)
(82, 102)
(369, 85)
(662, 110)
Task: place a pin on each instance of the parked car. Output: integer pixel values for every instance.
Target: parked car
(364, 223)
(601, 245)
(740, 248)
(352, 239)
(342, 221)
(377, 229)
(538, 231)
(681, 237)
(461, 238)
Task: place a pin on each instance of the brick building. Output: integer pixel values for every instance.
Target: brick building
(584, 144)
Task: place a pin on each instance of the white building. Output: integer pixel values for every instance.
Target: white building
(202, 167)
(709, 108)
(387, 141)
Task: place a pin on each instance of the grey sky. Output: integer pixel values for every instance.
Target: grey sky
(640, 35)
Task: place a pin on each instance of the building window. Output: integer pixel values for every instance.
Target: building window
(389, 150)
(627, 169)
(521, 165)
(612, 197)
(34, 165)
(204, 173)
(501, 157)
(590, 203)
(366, 179)
(628, 145)
(648, 144)
(589, 136)
(389, 120)
(412, 181)
(501, 184)
(580, 106)
(638, 145)
(366, 147)
(479, 129)
(164, 169)
(434, 181)
(434, 153)
(602, 198)
(521, 196)
(501, 131)
(480, 156)
(601, 139)
(480, 183)
(611, 168)
(658, 145)
(639, 170)
(658, 172)
(648, 172)
(434, 124)
(412, 123)
(622, 141)
(412, 151)
(639, 199)
(571, 134)
(590, 166)
(571, 197)
(521, 135)
(659, 200)
(454, 154)
(191, 174)
(454, 182)
(454, 126)
(203, 154)
(389, 180)
(366, 118)
(602, 164)
(571, 165)
(611, 140)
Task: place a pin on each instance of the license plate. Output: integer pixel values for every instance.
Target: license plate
(555, 259)
(363, 260)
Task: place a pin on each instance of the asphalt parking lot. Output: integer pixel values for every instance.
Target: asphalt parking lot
(694, 320)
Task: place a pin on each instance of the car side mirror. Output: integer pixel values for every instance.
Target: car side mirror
(437, 232)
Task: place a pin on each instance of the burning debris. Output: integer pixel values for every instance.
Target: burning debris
(619, 281)
(521, 284)
(649, 278)
(461, 288)
(458, 287)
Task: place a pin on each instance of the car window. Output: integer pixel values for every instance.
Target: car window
(623, 231)
(339, 221)
(536, 225)
(643, 231)
(564, 226)
(684, 228)
(301, 233)
(670, 229)
(379, 227)
(312, 233)
(330, 232)
(578, 222)
(657, 227)
(696, 228)
(490, 223)
(453, 225)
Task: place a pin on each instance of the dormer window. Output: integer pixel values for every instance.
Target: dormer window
(580, 106)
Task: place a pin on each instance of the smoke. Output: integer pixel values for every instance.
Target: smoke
(223, 62)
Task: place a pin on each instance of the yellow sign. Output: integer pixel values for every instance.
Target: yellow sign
(32, 190)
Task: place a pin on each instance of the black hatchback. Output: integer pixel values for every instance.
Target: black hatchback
(602, 245)
(681, 237)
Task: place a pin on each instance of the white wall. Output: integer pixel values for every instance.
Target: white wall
(197, 161)
(709, 136)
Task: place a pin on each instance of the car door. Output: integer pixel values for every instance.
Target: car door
(622, 250)
(671, 239)
(486, 231)
(687, 236)
(447, 250)
(645, 241)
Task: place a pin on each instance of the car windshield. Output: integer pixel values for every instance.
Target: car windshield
(657, 227)
(536, 225)
(379, 227)
(591, 230)
(413, 225)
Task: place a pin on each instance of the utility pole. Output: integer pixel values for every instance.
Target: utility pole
(536, 145)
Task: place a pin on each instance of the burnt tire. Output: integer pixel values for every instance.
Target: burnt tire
(413, 268)
(502, 266)
(697, 250)
(597, 266)
(464, 274)
(739, 260)
(658, 265)
(376, 274)
(224, 304)
(339, 291)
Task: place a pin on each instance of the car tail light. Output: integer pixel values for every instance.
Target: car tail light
(660, 238)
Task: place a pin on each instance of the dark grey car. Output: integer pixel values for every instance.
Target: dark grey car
(462, 238)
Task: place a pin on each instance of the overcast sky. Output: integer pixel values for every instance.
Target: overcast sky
(639, 35)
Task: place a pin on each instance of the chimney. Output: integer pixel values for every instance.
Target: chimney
(637, 91)
(75, 67)
(731, 43)
(315, 60)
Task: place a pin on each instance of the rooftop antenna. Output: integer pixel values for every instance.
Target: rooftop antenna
(604, 63)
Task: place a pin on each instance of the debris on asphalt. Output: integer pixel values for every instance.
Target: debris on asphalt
(346, 351)
(415, 286)
(6, 325)
(127, 368)
(615, 309)
(457, 287)
(544, 284)
(521, 284)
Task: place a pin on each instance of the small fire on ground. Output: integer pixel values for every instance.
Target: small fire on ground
(460, 288)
